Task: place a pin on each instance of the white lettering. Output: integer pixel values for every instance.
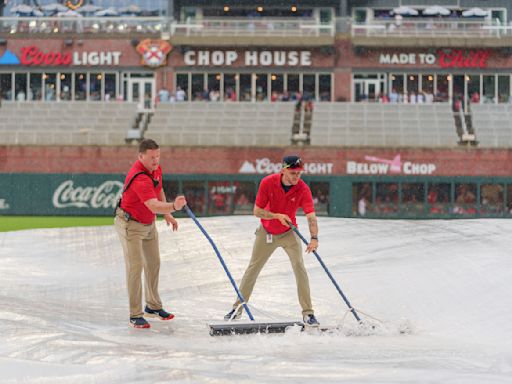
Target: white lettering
(76, 58)
(385, 58)
(96, 58)
(293, 58)
(105, 58)
(305, 58)
(93, 58)
(266, 58)
(251, 58)
(116, 55)
(280, 58)
(189, 58)
(203, 58)
(318, 168)
(217, 58)
(104, 196)
(354, 168)
(4, 204)
(418, 168)
(231, 57)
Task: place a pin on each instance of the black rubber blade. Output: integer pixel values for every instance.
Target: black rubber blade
(236, 328)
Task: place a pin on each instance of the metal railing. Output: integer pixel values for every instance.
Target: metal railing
(290, 27)
(92, 25)
(254, 27)
(430, 28)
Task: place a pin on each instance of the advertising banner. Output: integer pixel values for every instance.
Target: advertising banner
(60, 194)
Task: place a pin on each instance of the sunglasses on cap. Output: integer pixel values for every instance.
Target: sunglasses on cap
(293, 162)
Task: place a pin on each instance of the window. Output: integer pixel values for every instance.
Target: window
(198, 89)
(171, 189)
(262, 87)
(320, 192)
(110, 86)
(489, 85)
(386, 198)
(65, 86)
(277, 88)
(230, 93)
(442, 88)
(50, 86)
(292, 84)
(95, 80)
(412, 84)
(214, 86)
(503, 89)
(35, 91)
(80, 86)
(491, 199)
(324, 87)
(438, 198)
(20, 86)
(245, 195)
(473, 84)
(245, 87)
(361, 199)
(427, 84)
(465, 199)
(195, 195)
(308, 86)
(182, 85)
(220, 197)
(413, 198)
(397, 84)
(6, 86)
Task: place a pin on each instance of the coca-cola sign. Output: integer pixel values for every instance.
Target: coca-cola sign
(105, 195)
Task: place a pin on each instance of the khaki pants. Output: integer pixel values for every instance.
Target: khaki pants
(262, 251)
(141, 252)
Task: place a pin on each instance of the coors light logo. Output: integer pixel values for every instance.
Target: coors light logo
(103, 196)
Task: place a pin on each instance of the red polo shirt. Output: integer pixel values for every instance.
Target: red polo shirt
(272, 197)
(141, 189)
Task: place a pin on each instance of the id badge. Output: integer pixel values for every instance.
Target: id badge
(269, 238)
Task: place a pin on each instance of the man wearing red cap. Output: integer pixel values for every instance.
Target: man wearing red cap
(279, 197)
(143, 197)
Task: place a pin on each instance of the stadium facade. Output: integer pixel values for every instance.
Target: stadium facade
(374, 63)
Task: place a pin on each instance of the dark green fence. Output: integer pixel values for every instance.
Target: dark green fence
(207, 195)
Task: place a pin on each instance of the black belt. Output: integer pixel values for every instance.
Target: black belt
(127, 216)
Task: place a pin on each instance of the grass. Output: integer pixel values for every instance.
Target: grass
(15, 223)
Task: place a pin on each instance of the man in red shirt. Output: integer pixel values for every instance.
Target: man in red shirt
(143, 197)
(279, 197)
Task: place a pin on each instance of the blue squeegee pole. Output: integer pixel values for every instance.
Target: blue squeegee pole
(352, 310)
(239, 294)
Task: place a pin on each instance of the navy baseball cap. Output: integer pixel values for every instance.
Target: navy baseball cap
(293, 162)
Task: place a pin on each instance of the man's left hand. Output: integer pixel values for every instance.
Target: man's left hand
(312, 246)
(170, 220)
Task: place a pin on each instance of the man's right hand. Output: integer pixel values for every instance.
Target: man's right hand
(180, 202)
(283, 219)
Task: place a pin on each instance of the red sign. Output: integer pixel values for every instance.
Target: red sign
(457, 59)
(33, 56)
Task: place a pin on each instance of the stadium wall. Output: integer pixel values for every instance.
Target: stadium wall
(392, 183)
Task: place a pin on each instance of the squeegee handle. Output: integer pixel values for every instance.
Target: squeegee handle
(239, 294)
(295, 229)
